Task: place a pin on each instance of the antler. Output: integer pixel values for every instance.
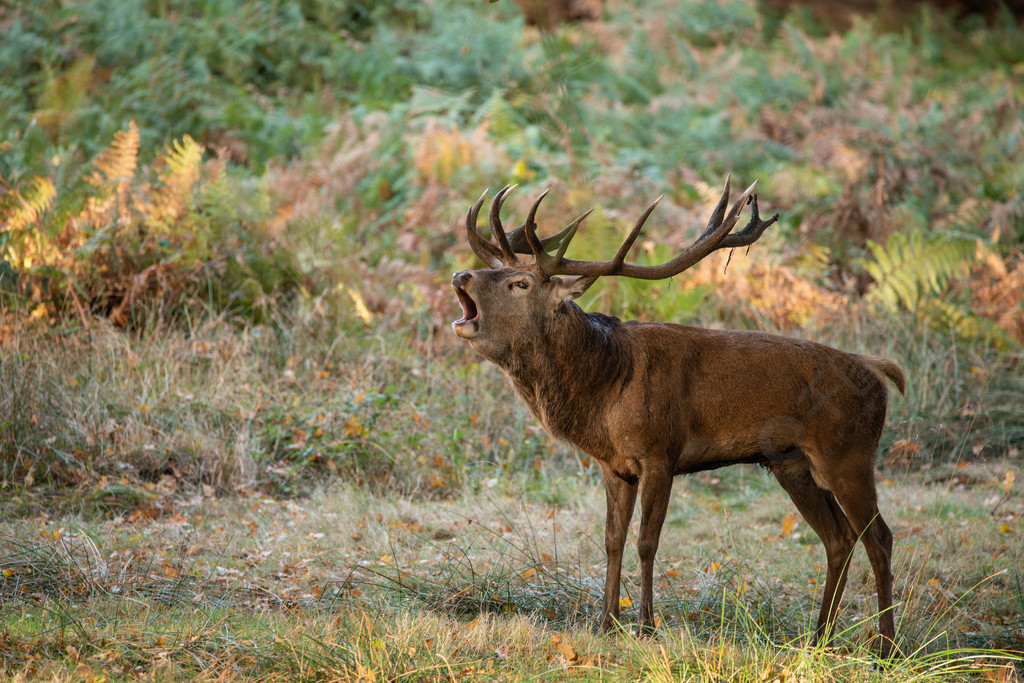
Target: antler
(717, 235)
(520, 240)
(494, 256)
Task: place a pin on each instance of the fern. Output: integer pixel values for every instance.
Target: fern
(912, 272)
(116, 164)
(497, 114)
(180, 164)
(910, 268)
(949, 318)
(22, 208)
(113, 172)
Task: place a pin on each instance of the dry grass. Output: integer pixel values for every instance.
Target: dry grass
(348, 584)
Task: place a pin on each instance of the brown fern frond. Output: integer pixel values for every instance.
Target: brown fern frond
(997, 291)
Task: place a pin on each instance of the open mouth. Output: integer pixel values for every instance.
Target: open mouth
(468, 325)
(469, 309)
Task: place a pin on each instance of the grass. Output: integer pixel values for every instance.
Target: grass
(348, 584)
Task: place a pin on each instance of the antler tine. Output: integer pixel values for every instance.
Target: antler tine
(539, 247)
(530, 228)
(734, 213)
(488, 253)
(570, 232)
(525, 240)
(620, 257)
(508, 256)
(720, 224)
(719, 212)
(753, 230)
(520, 242)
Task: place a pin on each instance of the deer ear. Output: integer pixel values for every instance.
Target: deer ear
(572, 287)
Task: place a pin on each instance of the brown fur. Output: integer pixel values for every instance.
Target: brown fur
(650, 401)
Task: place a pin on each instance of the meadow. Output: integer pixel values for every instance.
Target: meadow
(238, 440)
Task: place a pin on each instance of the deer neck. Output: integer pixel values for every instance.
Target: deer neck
(568, 373)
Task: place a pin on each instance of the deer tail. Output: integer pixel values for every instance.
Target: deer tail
(883, 367)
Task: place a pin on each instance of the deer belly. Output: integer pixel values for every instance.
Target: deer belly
(699, 455)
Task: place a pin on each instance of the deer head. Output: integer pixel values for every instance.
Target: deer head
(515, 300)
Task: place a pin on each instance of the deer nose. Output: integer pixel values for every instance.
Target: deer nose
(462, 278)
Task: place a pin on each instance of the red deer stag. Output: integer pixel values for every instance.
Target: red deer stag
(649, 401)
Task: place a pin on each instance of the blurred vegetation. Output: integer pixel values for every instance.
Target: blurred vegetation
(276, 187)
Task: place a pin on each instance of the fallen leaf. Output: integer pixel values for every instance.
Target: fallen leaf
(902, 452)
(788, 524)
(563, 648)
(1002, 674)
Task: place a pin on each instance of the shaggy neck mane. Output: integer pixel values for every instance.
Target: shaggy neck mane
(566, 377)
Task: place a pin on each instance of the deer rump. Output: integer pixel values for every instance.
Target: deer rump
(650, 401)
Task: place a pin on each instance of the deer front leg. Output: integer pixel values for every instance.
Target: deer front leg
(655, 490)
(620, 497)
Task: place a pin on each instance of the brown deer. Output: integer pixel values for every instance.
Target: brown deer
(650, 401)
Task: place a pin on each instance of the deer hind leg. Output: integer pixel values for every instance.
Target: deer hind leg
(856, 493)
(821, 511)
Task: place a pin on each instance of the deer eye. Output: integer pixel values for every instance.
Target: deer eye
(521, 284)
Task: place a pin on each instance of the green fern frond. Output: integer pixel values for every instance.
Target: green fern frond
(449, 106)
(970, 218)
(216, 197)
(498, 114)
(946, 317)
(909, 268)
(182, 161)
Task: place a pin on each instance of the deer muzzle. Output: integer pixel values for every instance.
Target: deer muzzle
(468, 326)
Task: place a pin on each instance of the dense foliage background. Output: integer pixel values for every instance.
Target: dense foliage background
(169, 163)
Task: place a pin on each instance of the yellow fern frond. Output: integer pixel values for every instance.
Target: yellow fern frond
(113, 172)
(25, 206)
(180, 164)
(117, 163)
(442, 152)
(29, 204)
